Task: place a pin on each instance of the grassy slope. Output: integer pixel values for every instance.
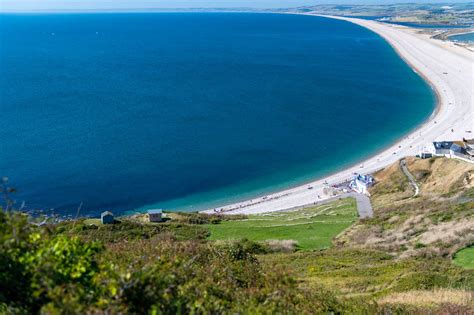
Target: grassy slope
(465, 258)
(399, 258)
(438, 222)
(407, 246)
(369, 273)
(312, 228)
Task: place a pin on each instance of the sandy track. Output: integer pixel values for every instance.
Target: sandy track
(450, 71)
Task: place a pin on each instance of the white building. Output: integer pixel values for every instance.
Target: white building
(361, 183)
(442, 148)
(454, 149)
(155, 215)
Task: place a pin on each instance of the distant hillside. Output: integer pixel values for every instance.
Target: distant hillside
(431, 14)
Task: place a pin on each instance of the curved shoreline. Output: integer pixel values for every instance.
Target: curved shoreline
(452, 117)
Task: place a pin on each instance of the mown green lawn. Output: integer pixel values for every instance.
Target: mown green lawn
(465, 258)
(312, 228)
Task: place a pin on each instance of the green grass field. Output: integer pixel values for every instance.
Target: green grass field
(465, 258)
(312, 228)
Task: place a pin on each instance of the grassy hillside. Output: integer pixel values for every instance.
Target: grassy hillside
(438, 222)
(408, 258)
(372, 275)
(136, 268)
(311, 228)
(402, 257)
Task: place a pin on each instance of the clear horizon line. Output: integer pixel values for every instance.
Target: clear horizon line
(141, 10)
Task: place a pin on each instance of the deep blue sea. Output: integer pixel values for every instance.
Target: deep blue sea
(188, 110)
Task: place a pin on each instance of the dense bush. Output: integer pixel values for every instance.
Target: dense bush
(148, 269)
(203, 218)
(131, 231)
(43, 270)
(40, 270)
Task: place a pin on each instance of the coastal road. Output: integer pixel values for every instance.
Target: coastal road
(448, 68)
(364, 207)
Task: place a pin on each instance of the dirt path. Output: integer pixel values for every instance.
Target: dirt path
(403, 165)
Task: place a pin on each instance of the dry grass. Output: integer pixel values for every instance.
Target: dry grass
(446, 231)
(431, 298)
(441, 176)
(438, 178)
(392, 186)
(282, 246)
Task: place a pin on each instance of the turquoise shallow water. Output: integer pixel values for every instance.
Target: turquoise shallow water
(190, 110)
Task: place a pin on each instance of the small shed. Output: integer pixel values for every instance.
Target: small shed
(426, 155)
(107, 217)
(155, 215)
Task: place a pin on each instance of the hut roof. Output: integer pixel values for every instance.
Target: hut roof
(155, 211)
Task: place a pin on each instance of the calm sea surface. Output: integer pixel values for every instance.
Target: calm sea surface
(189, 110)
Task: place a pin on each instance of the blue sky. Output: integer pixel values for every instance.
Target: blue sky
(27, 5)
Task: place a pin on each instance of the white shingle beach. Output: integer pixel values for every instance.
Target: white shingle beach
(449, 69)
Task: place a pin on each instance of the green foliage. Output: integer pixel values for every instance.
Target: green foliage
(44, 270)
(419, 245)
(38, 269)
(173, 267)
(243, 249)
(14, 242)
(129, 231)
(253, 247)
(203, 218)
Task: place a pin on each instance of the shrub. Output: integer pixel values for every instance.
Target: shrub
(43, 271)
(38, 269)
(421, 175)
(419, 245)
(204, 218)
